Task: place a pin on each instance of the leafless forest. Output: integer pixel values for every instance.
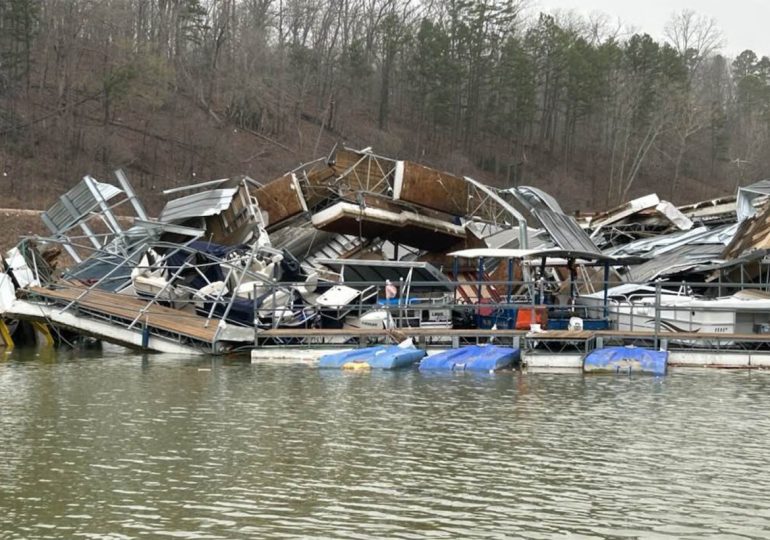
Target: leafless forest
(175, 91)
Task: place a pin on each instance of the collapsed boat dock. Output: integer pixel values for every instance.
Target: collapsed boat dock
(355, 249)
(135, 324)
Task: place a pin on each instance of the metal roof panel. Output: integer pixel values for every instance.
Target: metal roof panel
(565, 231)
(203, 204)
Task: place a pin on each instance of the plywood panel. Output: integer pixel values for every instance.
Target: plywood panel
(281, 199)
(433, 189)
(363, 172)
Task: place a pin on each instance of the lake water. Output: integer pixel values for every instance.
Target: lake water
(114, 445)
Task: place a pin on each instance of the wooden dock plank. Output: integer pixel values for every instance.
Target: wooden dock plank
(126, 307)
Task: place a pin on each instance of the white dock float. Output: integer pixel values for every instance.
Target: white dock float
(537, 360)
(553, 370)
(290, 356)
(722, 359)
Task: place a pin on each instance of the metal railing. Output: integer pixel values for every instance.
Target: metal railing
(661, 308)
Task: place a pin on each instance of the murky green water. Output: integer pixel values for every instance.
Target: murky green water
(117, 446)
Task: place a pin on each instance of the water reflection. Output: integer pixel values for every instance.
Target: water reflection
(110, 445)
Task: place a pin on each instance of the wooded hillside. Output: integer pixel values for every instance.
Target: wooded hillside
(176, 91)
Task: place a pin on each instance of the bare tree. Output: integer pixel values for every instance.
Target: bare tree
(694, 36)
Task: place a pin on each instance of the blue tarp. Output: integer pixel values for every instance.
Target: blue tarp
(199, 254)
(588, 324)
(379, 357)
(397, 301)
(472, 358)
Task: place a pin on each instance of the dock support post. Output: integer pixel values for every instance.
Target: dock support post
(275, 320)
(511, 324)
(657, 313)
(456, 277)
(719, 291)
(43, 335)
(606, 289)
(145, 336)
(480, 292)
(256, 314)
(6, 335)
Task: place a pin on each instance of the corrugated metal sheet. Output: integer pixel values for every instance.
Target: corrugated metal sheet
(507, 237)
(536, 198)
(623, 211)
(661, 244)
(77, 203)
(203, 204)
(672, 214)
(718, 210)
(678, 260)
(651, 246)
(566, 232)
(748, 196)
(753, 234)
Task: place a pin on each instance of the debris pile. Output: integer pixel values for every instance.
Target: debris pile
(315, 247)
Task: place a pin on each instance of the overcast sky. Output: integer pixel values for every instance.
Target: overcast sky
(744, 23)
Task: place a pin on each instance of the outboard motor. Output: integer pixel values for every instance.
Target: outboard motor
(290, 268)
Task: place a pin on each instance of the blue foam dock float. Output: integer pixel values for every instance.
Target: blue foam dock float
(472, 358)
(379, 357)
(626, 360)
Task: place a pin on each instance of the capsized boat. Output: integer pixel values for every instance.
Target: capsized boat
(472, 358)
(626, 360)
(378, 357)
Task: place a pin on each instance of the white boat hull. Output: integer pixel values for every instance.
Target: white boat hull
(684, 314)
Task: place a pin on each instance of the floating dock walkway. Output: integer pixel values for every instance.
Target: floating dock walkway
(135, 323)
(128, 321)
(550, 349)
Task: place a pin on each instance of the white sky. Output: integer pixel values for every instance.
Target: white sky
(744, 23)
